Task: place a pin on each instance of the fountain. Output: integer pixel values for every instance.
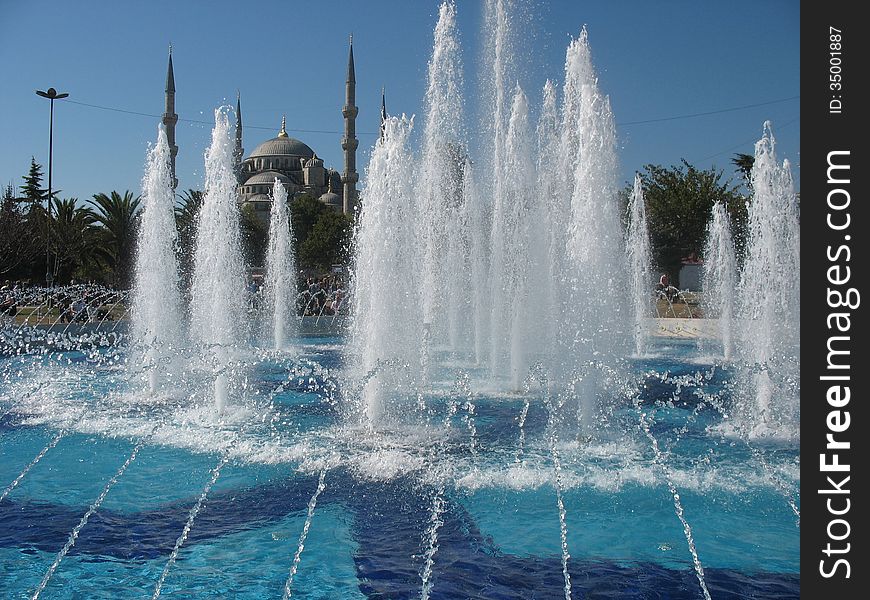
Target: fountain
(216, 305)
(281, 270)
(639, 261)
(157, 318)
(386, 326)
(497, 421)
(768, 299)
(720, 276)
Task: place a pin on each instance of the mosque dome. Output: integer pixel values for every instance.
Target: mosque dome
(282, 145)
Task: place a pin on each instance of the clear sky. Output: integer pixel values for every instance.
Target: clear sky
(660, 62)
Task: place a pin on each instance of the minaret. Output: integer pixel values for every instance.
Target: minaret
(349, 142)
(238, 152)
(170, 118)
(383, 110)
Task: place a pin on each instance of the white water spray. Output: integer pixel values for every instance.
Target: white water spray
(387, 324)
(157, 318)
(769, 298)
(639, 260)
(281, 270)
(720, 276)
(217, 295)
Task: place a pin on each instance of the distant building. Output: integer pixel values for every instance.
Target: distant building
(289, 160)
(295, 165)
(691, 273)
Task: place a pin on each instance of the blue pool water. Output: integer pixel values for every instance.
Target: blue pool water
(371, 529)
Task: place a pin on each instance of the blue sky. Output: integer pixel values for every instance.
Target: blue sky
(659, 62)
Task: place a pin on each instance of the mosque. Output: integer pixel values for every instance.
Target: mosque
(292, 161)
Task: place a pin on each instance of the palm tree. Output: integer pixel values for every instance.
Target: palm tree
(75, 239)
(118, 217)
(186, 215)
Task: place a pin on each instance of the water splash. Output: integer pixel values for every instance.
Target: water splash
(191, 517)
(769, 298)
(720, 276)
(281, 270)
(217, 292)
(478, 251)
(430, 541)
(552, 208)
(639, 261)
(54, 441)
(595, 321)
(512, 315)
(386, 326)
(659, 459)
(74, 534)
(439, 218)
(157, 313)
(312, 504)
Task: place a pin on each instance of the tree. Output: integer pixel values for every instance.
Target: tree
(32, 192)
(321, 234)
(75, 239)
(679, 202)
(304, 212)
(186, 216)
(32, 242)
(18, 241)
(744, 164)
(118, 219)
(255, 236)
(329, 241)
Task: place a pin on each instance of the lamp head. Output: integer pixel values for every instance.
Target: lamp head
(51, 94)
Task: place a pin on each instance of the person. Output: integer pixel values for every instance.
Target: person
(338, 301)
(664, 288)
(334, 304)
(9, 308)
(77, 308)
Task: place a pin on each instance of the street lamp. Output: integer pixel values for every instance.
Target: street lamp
(52, 95)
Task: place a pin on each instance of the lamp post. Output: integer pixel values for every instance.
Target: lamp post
(52, 95)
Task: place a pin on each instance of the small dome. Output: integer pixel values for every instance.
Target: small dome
(266, 177)
(331, 199)
(314, 161)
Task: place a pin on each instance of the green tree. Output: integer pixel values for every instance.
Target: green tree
(186, 215)
(18, 241)
(744, 163)
(304, 213)
(321, 234)
(255, 236)
(118, 219)
(329, 241)
(679, 201)
(34, 245)
(32, 192)
(76, 241)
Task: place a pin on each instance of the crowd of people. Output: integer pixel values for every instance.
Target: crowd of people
(74, 303)
(322, 296)
(316, 296)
